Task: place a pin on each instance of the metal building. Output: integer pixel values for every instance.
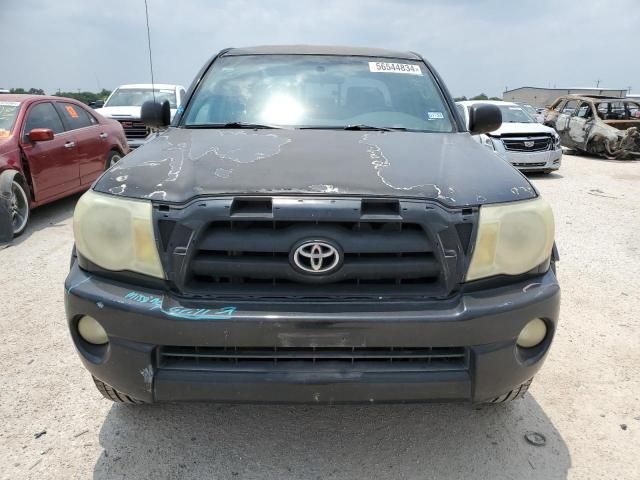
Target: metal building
(541, 97)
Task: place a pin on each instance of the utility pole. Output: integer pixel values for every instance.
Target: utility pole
(597, 83)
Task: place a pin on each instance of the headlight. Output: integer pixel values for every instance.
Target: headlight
(513, 238)
(116, 233)
(556, 140)
(487, 142)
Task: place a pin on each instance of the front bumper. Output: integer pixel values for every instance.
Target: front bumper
(138, 142)
(140, 321)
(534, 161)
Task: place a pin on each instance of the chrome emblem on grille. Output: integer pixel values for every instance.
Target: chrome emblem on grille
(316, 256)
(529, 143)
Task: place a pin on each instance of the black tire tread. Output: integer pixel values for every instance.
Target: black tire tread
(114, 395)
(512, 395)
(109, 155)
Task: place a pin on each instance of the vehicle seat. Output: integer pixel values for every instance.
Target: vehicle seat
(364, 99)
(222, 109)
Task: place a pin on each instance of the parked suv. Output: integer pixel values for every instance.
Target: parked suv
(318, 225)
(125, 102)
(520, 140)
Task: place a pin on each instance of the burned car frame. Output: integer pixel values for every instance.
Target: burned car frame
(602, 126)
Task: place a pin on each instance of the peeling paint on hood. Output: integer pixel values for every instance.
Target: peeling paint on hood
(183, 163)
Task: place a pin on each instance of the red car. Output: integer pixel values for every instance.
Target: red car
(50, 147)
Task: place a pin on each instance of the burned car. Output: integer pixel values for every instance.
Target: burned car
(317, 225)
(603, 126)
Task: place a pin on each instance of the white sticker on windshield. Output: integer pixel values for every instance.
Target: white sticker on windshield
(9, 104)
(385, 67)
(435, 115)
(515, 108)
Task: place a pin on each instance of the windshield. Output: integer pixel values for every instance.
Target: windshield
(8, 114)
(529, 109)
(515, 114)
(135, 97)
(319, 91)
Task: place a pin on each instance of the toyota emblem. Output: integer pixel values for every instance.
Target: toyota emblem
(316, 257)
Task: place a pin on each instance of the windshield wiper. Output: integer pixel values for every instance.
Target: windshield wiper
(360, 126)
(353, 127)
(231, 125)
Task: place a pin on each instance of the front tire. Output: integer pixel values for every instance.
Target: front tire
(19, 208)
(114, 395)
(515, 394)
(113, 158)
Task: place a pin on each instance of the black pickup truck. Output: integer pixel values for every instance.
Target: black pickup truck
(316, 225)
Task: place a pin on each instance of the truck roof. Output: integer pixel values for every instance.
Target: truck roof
(157, 86)
(488, 102)
(320, 50)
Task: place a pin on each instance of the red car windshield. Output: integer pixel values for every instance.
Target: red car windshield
(8, 114)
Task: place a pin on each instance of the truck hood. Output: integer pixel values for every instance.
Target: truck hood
(181, 164)
(124, 112)
(521, 128)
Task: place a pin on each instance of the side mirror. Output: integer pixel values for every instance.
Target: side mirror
(484, 118)
(40, 135)
(156, 115)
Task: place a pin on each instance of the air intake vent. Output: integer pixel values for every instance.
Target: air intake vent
(380, 208)
(250, 207)
(370, 359)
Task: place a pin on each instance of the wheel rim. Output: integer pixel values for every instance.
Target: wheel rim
(114, 159)
(18, 208)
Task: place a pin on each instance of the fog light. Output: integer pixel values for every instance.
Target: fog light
(91, 331)
(532, 334)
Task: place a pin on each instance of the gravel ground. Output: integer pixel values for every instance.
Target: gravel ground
(585, 401)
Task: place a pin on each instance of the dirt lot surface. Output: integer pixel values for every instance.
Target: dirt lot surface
(585, 401)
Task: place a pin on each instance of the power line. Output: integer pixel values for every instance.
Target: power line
(153, 88)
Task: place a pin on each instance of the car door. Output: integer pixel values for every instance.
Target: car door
(580, 123)
(90, 140)
(53, 166)
(562, 122)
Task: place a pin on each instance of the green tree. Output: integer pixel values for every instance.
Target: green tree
(482, 96)
(31, 91)
(86, 97)
(459, 99)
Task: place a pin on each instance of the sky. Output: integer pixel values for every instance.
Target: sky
(476, 46)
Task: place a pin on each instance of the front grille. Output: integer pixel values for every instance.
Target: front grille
(134, 129)
(527, 144)
(255, 359)
(537, 164)
(379, 257)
